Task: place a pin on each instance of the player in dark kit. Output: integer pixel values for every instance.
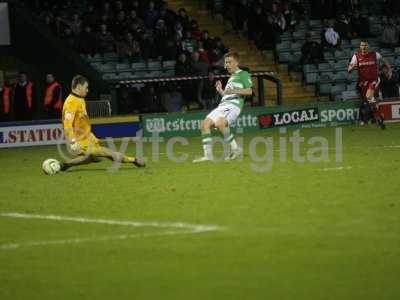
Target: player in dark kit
(367, 63)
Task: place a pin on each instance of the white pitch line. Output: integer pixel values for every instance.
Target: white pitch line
(336, 169)
(185, 228)
(91, 239)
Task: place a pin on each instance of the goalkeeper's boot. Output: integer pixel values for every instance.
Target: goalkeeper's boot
(64, 166)
(138, 162)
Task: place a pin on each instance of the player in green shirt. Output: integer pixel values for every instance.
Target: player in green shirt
(238, 87)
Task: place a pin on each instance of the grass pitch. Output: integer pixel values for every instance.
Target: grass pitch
(312, 230)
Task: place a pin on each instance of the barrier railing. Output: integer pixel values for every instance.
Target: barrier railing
(259, 76)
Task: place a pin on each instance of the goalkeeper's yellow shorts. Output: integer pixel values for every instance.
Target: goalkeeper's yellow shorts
(90, 145)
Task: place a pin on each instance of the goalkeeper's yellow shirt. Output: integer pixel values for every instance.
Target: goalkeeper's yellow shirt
(76, 121)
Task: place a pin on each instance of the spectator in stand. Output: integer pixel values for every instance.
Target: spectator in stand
(133, 18)
(311, 51)
(170, 51)
(208, 42)
(217, 53)
(189, 44)
(120, 24)
(183, 19)
(106, 10)
(69, 37)
(390, 34)
(138, 7)
(167, 15)
(278, 21)
(5, 101)
(332, 38)
(125, 101)
(360, 25)
(178, 30)
(128, 48)
(91, 16)
(105, 19)
(209, 93)
(105, 40)
(23, 98)
(203, 53)
(389, 83)
(86, 43)
(195, 30)
(184, 68)
(259, 26)
(241, 11)
(200, 68)
(343, 28)
(53, 100)
(151, 15)
(161, 37)
(75, 24)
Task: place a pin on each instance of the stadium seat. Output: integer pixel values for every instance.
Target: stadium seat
(355, 42)
(138, 66)
(311, 77)
(325, 88)
(152, 74)
(283, 46)
(341, 76)
(111, 56)
(340, 66)
(338, 88)
(123, 66)
(285, 56)
(349, 95)
(340, 54)
(299, 35)
(169, 73)
(326, 76)
(386, 52)
(286, 37)
(397, 61)
(309, 68)
(325, 67)
(107, 67)
(125, 75)
(351, 87)
(110, 76)
(353, 76)
(154, 65)
(296, 46)
(169, 64)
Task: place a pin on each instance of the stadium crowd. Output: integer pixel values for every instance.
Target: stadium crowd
(140, 30)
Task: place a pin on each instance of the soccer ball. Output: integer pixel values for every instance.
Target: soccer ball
(51, 166)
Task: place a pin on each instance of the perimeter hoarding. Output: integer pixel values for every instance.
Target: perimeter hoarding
(256, 119)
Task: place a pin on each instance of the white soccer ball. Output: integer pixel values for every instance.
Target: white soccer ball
(51, 166)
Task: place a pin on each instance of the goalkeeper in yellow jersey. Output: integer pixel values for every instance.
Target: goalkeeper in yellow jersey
(78, 131)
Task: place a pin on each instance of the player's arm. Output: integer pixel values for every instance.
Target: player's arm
(242, 92)
(68, 123)
(247, 89)
(352, 64)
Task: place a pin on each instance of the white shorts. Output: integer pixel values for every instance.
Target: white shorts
(228, 111)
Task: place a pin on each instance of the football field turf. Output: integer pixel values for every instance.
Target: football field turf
(302, 230)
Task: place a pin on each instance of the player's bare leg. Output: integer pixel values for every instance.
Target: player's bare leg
(78, 161)
(116, 156)
(370, 95)
(206, 140)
